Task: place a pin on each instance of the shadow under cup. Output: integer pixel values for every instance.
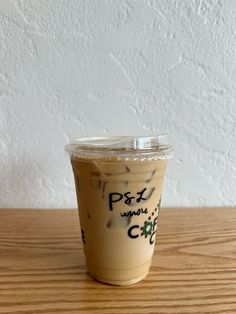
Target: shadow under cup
(119, 184)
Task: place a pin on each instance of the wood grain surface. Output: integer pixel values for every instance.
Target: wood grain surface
(42, 267)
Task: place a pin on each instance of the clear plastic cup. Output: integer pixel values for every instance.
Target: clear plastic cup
(119, 185)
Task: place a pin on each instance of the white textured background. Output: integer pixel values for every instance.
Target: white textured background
(87, 67)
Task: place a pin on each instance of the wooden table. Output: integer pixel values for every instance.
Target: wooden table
(42, 267)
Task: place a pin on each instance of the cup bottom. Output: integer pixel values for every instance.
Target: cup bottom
(118, 282)
(119, 277)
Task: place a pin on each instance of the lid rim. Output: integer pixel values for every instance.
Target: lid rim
(121, 145)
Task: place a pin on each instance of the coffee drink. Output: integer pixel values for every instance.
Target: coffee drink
(119, 194)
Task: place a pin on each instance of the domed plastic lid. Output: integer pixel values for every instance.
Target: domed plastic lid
(121, 146)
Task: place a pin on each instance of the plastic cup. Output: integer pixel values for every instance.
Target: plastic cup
(119, 185)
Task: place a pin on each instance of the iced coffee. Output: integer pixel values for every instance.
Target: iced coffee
(119, 185)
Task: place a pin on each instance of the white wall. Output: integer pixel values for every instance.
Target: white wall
(73, 68)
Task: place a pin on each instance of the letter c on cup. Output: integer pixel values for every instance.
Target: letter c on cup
(131, 233)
